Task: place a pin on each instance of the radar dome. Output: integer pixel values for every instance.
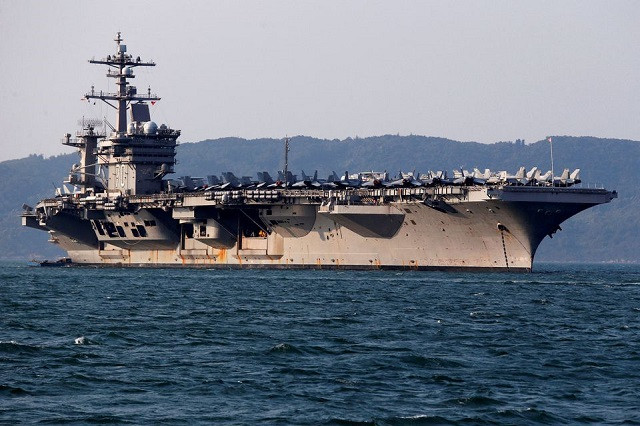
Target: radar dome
(150, 128)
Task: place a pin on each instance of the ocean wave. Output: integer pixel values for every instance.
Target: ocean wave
(475, 401)
(284, 348)
(12, 346)
(531, 414)
(7, 390)
(88, 419)
(299, 371)
(418, 419)
(82, 340)
(440, 378)
(425, 361)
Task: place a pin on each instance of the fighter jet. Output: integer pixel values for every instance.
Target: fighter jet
(567, 179)
(231, 181)
(531, 176)
(345, 182)
(186, 183)
(427, 179)
(264, 180)
(291, 178)
(517, 179)
(199, 183)
(375, 179)
(405, 180)
(212, 180)
(542, 179)
(308, 181)
(487, 177)
(464, 178)
(575, 177)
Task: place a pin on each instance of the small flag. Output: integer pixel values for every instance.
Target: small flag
(154, 102)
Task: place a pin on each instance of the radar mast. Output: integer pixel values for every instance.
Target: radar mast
(122, 64)
(136, 155)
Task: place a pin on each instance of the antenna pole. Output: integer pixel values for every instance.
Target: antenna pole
(121, 69)
(286, 160)
(552, 173)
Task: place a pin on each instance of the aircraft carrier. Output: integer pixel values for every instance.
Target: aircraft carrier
(120, 209)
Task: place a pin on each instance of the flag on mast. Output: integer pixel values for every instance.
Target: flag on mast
(551, 146)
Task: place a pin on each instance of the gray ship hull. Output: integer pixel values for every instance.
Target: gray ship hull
(475, 228)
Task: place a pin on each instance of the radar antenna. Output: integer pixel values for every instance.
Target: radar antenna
(122, 64)
(90, 122)
(286, 160)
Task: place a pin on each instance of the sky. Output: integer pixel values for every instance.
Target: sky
(483, 71)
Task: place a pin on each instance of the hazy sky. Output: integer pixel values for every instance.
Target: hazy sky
(467, 70)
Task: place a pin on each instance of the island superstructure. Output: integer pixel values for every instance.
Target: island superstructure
(123, 210)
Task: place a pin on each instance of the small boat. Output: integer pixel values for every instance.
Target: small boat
(63, 261)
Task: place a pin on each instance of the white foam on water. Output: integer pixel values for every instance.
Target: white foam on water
(81, 341)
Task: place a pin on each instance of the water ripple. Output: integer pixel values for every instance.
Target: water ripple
(89, 345)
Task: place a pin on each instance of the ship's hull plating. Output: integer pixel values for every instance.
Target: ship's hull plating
(486, 229)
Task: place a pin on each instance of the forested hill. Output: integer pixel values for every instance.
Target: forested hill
(604, 233)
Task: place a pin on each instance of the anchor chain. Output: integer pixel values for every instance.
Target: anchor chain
(502, 228)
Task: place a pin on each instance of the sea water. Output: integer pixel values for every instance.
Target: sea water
(94, 345)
